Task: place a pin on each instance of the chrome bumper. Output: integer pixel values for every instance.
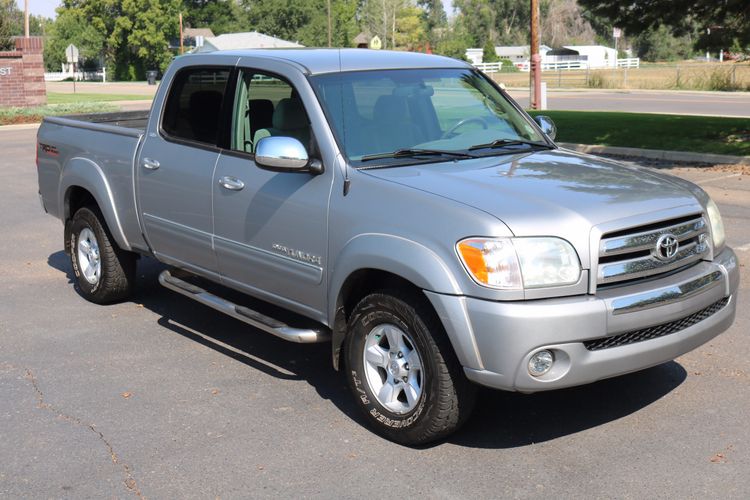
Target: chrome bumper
(506, 334)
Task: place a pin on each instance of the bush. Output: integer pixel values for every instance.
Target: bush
(489, 55)
(508, 67)
(598, 80)
(719, 79)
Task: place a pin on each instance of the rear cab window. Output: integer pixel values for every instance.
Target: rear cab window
(193, 109)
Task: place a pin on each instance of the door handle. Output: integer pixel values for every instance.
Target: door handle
(150, 164)
(231, 183)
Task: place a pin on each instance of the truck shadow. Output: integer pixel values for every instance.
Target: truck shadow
(508, 420)
(500, 419)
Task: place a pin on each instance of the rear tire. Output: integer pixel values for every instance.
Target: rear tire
(403, 371)
(104, 272)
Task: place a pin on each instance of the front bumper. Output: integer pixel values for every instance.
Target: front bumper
(495, 340)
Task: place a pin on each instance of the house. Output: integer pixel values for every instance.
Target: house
(516, 54)
(194, 37)
(191, 38)
(249, 40)
(519, 53)
(362, 41)
(597, 56)
(475, 56)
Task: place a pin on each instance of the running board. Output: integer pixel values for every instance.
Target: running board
(244, 314)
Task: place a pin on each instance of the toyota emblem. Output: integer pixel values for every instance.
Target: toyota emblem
(666, 246)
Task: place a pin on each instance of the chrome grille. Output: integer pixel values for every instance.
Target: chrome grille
(630, 255)
(657, 331)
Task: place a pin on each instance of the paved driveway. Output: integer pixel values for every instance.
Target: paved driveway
(163, 398)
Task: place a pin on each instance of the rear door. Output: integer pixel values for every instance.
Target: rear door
(271, 233)
(175, 168)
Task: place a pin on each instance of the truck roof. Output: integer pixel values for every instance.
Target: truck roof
(317, 61)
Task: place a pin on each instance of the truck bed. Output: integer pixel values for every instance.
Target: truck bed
(127, 119)
(95, 151)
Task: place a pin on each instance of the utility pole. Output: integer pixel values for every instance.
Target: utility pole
(536, 60)
(385, 27)
(182, 48)
(26, 18)
(329, 24)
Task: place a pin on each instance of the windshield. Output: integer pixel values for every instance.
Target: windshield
(443, 111)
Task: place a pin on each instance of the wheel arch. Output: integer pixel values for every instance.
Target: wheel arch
(377, 262)
(82, 185)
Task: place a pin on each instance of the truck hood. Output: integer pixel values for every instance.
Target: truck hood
(555, 192)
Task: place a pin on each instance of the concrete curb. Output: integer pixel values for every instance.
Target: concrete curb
(19, 126)
(658, 154)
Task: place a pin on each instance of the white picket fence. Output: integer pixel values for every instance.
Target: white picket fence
(58, 76)
(489, 67)
(632, 62)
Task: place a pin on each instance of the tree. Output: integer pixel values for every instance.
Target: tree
(563, 24)
(721, 23)
(7, 8)
(659, 44)
(410, 28)
(434, 19)
(398, 23)
(152, 24)
(220, 15)
(280, 18)
(71, 26)
(454, 41)
(131, 36)
(488, 52)
(11, 24)
(476, 19)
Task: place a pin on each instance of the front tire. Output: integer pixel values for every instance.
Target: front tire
(403, 371)
(105, 273)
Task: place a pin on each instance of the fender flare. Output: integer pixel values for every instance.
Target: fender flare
(411, 261)
(85, 174)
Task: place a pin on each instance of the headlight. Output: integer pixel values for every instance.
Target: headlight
(515, 263)
(717, 225)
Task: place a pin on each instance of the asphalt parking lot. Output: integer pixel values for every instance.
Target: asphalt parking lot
(163, 398)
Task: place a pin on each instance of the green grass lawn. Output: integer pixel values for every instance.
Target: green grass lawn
(701, 134)
(10, 116)
(59, 98)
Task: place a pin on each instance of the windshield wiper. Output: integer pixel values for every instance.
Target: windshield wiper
(501, 143)
(411, 153)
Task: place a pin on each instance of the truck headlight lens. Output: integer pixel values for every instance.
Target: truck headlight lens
(492, 263)
(547, 262)
(515, 263)
(717, 225)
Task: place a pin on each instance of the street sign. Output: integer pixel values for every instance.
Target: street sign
(616, 32)
(71, 53)
(375, 43)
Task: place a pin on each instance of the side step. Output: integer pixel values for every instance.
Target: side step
(244, 314)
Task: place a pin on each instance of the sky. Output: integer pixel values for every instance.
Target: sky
(46, 8)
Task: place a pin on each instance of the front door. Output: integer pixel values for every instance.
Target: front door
(175, 170)
(270, 228)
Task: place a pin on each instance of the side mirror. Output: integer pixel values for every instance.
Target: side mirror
(285, 154)
(547, 125)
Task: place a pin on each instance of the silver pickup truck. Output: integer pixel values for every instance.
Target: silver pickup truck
(400, 206)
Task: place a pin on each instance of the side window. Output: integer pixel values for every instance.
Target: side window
(265, 106)
(193, 108)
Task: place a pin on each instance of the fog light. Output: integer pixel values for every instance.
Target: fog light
(540, 363)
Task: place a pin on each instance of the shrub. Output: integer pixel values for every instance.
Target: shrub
(598, 80)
